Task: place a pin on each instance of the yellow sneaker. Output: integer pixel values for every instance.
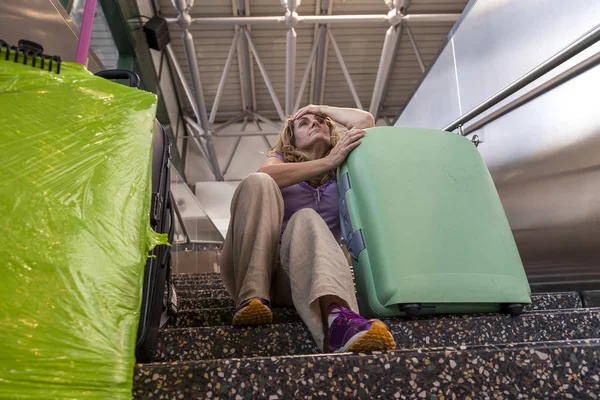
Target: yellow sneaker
(254, 311)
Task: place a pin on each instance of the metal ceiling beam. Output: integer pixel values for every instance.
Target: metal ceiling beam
(290, 60)
(388, 79)
(181, 76)
(263, 71)
(324, 7)
(215, 107)
(319, 19)
(401, 7)
(229, 122)
(319, 65)
(249, 134)
(342, 63)
(190, 51)
(307, 70)
(266, 120)
(196, 134)
(389, 54)
(246, 65)
(415, 48)
(235, 147)
(385, 67)
(290, 70)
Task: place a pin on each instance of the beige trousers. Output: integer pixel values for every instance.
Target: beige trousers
(310, 263)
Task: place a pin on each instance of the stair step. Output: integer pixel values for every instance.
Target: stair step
(524, 370)
(539, 301)
(195, 279)
(223, 316)
(194, 294)
(294, 338)
(195, 303)
(196, 275)
(554, 301)
(210, 285)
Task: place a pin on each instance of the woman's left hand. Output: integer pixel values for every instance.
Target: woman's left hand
(311, 109)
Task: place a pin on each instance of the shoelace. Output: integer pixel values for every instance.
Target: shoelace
(348, 315)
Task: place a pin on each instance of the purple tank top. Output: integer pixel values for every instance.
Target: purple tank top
(323, 199)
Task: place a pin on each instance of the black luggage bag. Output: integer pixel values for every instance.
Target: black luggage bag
(157, 305)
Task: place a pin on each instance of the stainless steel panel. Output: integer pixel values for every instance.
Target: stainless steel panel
(44, 22)
(544, 159)
(437, 97)
(501, 40)
(543, 156)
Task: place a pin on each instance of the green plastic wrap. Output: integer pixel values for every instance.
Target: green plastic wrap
(75, 164)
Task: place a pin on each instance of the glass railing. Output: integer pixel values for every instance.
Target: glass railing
(197, 242)
(102, 41)
(197, 227)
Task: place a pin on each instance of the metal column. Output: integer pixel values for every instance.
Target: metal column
(290, 70)
(290, 60)
(190, 51)
(318, 86)
(313, 53)
(385, 66)
(246, 62)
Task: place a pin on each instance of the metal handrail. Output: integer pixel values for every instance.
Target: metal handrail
(558, 80)
(576, 47)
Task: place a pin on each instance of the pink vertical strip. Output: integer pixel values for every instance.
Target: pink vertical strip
(85, 32)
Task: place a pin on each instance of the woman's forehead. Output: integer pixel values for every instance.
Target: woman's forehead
(308, 117)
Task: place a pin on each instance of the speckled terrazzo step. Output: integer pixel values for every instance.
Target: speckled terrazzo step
(293, 338)
(212, 285)
(539, 301)
(223, 316)
(195, 303)
(525, 370)
(219, 311)
(554, 301)
(196, 280)
(198, 294)
(193, 275)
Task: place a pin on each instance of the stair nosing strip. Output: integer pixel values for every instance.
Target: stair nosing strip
(549, 344)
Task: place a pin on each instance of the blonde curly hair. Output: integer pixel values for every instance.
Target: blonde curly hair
(286, 147)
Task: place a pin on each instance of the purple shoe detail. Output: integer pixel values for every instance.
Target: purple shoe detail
(351, 332)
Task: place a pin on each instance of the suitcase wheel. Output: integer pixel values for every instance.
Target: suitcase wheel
(514, 309)
(415, 309)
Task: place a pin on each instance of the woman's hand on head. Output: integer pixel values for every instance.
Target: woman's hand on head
(348, 142)
(310, 109)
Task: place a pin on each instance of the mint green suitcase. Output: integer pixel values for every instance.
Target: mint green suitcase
(425, 227)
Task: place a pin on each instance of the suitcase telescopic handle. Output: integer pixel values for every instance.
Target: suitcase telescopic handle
(134, 80)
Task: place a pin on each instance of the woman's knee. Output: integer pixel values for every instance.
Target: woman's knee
(305, 215)
(307, 220)
(257, 181)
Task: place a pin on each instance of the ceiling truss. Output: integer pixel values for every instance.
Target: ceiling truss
(203, 126)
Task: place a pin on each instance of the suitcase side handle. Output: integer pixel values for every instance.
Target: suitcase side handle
(132, 77)
(354, 240)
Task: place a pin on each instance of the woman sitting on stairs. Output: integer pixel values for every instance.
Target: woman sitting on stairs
(282, 246)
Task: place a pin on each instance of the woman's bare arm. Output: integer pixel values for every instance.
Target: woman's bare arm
(288, 174)
(351, 118)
